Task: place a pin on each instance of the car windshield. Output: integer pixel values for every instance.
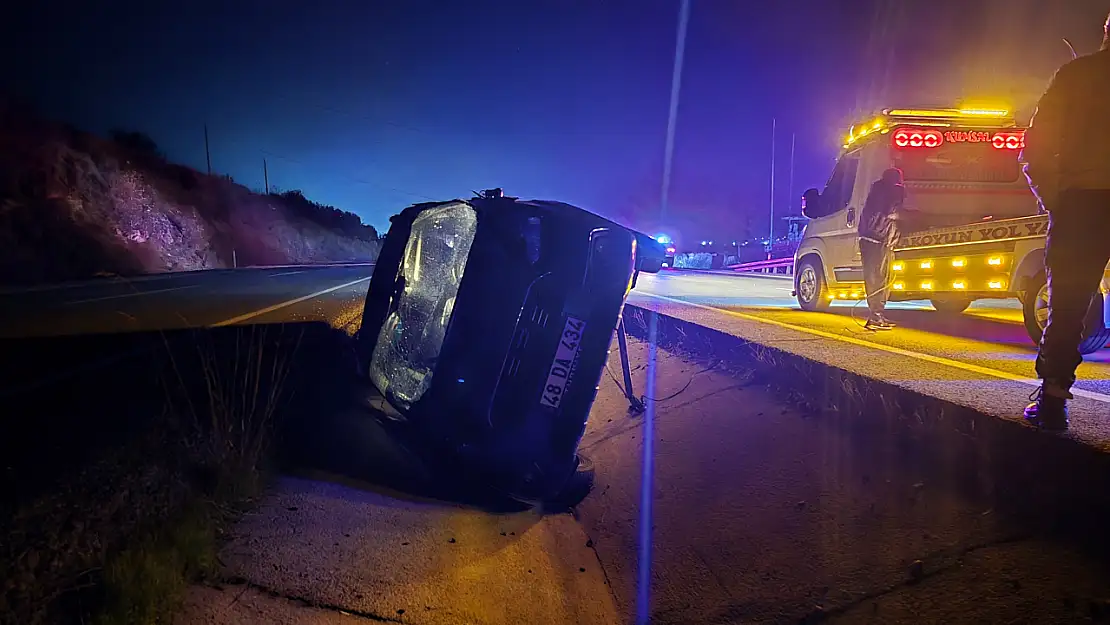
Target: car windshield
(411, 337)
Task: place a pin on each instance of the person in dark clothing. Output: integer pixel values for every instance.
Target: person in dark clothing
(1067, 162)
(878, 232)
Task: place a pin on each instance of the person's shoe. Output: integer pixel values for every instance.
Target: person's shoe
(1049, 410)
(889, 325)
(876, 323)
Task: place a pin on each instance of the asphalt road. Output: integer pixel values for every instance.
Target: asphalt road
(172, 301)
(981, 358)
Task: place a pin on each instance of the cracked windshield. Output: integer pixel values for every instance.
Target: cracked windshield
(545, 312)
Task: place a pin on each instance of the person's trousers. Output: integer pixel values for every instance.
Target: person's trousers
(876, 274)
(1076, 253)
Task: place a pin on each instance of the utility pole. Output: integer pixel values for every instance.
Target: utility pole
(771, 228)
(265, 176)
(207, 153)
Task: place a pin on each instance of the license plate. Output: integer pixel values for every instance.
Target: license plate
(562, 366)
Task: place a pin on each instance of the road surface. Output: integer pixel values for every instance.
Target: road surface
(981, 358)
(171, 301)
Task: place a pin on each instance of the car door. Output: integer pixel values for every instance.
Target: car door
(842, 259)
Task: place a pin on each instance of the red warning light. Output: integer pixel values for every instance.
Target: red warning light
(1008, 140)
(917, 138)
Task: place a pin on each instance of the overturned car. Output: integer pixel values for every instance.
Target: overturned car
(486, 330)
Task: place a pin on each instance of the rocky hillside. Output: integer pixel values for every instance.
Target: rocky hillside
(73, 205)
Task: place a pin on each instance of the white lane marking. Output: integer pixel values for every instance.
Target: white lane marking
(270, 309)
(939, 360)
(131, 294)
(286, 273)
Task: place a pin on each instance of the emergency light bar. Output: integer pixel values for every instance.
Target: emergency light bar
(935, 118)
(947, 113)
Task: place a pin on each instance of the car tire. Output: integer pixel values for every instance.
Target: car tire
(951, 305)
(1035, 314)
(578, 486)
(812, 293)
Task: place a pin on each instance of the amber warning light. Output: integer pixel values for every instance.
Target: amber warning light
(904, 138)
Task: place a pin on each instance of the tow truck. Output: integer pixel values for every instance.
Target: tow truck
(974, 229)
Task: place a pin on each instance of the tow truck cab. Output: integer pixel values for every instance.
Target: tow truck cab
(960, 166)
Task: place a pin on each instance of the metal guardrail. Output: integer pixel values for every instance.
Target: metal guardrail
(773, 265)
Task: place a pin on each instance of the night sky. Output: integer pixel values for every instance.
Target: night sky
(372, 105)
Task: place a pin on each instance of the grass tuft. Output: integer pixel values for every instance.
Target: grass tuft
(229, 409)
(146, 583)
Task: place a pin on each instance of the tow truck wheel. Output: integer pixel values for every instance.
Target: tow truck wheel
(813, 295)
(1035, 313)
(951, 305)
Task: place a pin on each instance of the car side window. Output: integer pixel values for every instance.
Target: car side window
(838, 190)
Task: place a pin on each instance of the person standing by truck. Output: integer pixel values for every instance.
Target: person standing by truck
(878, 231)
(1067, 163)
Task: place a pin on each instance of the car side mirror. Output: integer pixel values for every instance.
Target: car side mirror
(811, 204)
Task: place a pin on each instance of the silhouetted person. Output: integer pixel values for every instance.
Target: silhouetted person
(1067, 161)
(878, 232)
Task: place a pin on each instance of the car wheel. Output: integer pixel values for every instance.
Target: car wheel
(577, 487)
(953, 305)
(813, 295)
(1035, 315)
